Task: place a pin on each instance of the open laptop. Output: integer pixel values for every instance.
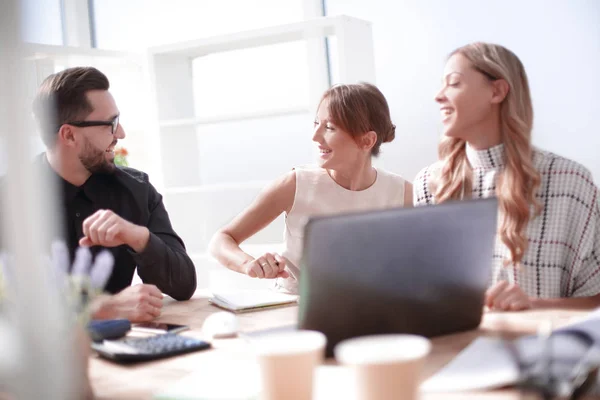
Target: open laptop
(417, 270)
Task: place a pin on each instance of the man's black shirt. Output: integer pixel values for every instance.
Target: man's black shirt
(128, 193)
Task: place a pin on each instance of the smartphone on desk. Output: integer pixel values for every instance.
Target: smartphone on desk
(158, 327)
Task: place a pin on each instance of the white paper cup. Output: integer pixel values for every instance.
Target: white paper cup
(287, 363)
(385, 367)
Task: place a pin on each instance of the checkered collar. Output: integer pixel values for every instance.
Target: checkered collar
(491, 158)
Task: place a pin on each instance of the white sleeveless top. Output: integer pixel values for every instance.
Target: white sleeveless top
(318, 194)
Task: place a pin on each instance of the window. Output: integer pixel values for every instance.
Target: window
(252, 80)
(42, 21)
(135, 24)
(237, 90)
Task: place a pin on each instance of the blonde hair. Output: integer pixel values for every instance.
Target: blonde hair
(518, 182)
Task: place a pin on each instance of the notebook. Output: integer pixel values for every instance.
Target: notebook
(240, 301)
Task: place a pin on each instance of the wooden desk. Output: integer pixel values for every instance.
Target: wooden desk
(112, 381)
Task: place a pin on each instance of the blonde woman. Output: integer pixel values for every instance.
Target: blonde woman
(548, 245)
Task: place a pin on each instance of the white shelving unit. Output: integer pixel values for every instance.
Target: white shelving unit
(44, 58)
(170, 69)
(197, 210)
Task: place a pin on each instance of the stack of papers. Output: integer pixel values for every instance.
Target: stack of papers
(252, 300)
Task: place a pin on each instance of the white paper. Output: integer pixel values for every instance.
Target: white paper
(484, 364)
(217, 381)
(241, 381)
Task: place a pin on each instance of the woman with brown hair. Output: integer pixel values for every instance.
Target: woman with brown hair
(548, 245)
(352, 122)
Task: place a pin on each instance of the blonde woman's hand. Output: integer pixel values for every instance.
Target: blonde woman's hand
(505, 296)
(267, 266)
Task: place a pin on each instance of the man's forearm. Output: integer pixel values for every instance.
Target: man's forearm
(101, 308)
(165, 263)
(138, 238)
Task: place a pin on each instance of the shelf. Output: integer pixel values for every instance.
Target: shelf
(320, 27)
(170, 70)
(233, 117)
(34, 51)
(232, 186)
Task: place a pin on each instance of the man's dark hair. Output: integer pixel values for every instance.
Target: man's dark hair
(61, 98)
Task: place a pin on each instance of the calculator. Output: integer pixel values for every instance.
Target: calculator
(149, 348)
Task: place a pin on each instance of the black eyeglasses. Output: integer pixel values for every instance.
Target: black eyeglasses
(114, 124)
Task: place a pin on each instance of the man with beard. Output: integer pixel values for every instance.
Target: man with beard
(105, 206)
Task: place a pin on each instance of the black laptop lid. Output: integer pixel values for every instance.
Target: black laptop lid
(417, 270)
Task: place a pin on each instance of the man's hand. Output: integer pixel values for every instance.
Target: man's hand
(267, 266)
(504, 296)
(107, 229)
(139, 303)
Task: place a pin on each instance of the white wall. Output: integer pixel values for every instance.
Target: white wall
(558, 41)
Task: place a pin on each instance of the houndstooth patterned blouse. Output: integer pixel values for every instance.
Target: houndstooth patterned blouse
(563, 256)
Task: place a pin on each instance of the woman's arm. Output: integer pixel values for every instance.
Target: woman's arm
(276, 198)
(505, 296)
(574, 303)
(408, 194)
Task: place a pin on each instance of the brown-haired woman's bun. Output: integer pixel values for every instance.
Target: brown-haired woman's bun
(391, 135)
